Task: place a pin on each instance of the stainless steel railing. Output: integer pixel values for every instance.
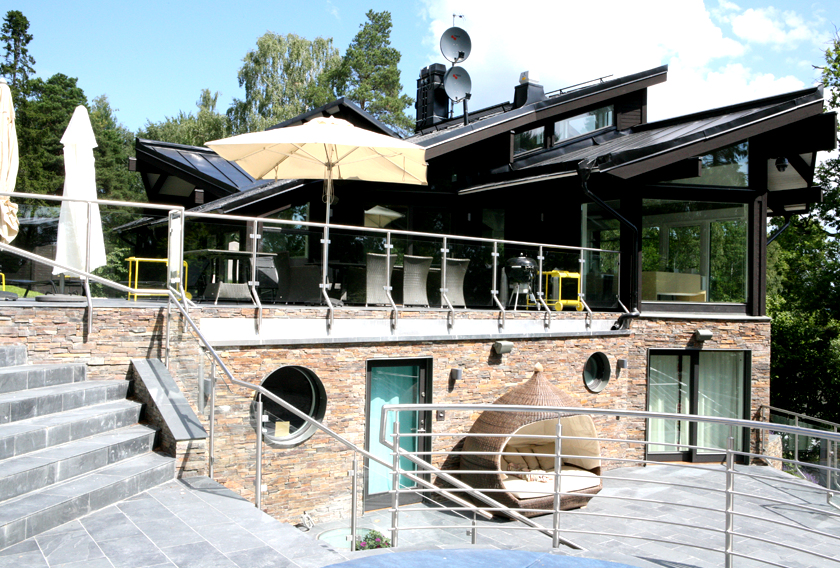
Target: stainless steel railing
(740, 496)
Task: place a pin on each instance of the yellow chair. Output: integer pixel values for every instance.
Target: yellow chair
(134, 261)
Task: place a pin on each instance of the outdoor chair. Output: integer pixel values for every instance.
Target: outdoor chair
(377, 278)
(456, 271)
(415, 275)
(270, 279)
(305, 284)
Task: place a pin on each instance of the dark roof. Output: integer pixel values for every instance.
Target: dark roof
(200, 165)
(646, 147)
(500, 118)
(341, 108)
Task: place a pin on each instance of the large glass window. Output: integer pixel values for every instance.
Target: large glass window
(291, 239)
(725, 167)
(599, 270)
(694, 252)
(583, 123)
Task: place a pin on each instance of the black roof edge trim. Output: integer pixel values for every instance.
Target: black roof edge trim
(342, 101)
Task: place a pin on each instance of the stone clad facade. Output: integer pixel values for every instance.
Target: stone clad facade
(314, 477)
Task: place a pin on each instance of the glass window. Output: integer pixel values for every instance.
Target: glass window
(583, 123)
(293, 239)
(694, 252)
(528, 140)
(599, 271)
(596, 372)
(726, 167)
(301, 388)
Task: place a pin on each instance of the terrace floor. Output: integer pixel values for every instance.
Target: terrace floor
(197, 523)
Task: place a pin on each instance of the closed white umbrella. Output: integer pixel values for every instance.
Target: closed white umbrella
(380, 217)
(9, 224)
(80, 183)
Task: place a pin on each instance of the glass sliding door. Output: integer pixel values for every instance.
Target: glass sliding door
(669, 392)
(393, 382)
(702, 383)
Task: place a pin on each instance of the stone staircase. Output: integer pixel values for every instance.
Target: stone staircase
(68, 446)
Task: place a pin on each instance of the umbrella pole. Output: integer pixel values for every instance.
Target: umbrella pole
(326, 251)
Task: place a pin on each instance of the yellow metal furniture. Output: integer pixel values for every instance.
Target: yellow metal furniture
(134, 274)
(553, 290)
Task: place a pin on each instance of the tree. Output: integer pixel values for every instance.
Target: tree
(41, 123)
(803, 296)
(369, 71)
(18, 64)
(281, 80)
(186, 128)
(115, 145)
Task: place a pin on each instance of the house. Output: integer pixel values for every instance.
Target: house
(646, 239)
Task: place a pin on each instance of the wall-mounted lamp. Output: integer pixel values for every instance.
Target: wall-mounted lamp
(456, 374)
(702, 335)
(502, 347)
(619, 365)
(782, 163)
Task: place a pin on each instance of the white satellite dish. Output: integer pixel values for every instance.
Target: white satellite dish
(455, 45)
(457, 84)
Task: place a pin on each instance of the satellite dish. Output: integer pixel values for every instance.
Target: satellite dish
(455, 45)
(457, 84)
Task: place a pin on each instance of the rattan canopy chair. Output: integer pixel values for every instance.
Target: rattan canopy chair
(456, 271)
(377, 272)
(415, 274)
(581, 465)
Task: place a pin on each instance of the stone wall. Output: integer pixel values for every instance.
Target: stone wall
(313, 477)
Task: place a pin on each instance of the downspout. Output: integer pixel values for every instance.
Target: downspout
(584, 170)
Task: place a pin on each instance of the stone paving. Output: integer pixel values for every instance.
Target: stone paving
(640, 519)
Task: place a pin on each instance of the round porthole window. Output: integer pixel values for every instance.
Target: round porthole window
(301, 388)
(596, 372)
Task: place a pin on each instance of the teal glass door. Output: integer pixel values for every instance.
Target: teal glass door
(393, 382)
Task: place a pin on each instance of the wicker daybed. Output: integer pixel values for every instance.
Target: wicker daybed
(579, 475)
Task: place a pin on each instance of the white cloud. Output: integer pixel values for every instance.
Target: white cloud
(776, 27)
(568, 43)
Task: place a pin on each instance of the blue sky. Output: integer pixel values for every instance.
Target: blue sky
(152, 58)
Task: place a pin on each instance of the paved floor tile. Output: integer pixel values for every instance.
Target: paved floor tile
(263, 557)
(229, 537)
(198, 555)
(66, 547)
(138, 552)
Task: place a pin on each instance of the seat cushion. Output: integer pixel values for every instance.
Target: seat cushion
(571, 479)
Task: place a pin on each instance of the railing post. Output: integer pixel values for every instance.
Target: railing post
(730, 499)
(558, 453)
(87, 269)
(541, 303)
(395, 316)
(473, 530)
(395, 495)
(253, 283)
(202, 404)
(495, 291)
(212, 419)
(354, 500)
(258, 477)
(796, 443)
(167, 353)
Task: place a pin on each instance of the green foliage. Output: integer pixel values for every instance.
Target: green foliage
(370, 72)
(372, 539)
(282, 78)
(41, 122)
(803, 297)
(191, 129)
(115, 145)
(18, 64)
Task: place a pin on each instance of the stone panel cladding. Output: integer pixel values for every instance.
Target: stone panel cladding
(313, 477)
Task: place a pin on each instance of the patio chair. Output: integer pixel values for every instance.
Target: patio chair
(415, 275)
(377, 278)
(304, 285)
(456, 271)
(270, 279)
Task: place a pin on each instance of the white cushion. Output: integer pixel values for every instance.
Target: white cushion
(580, 425)
(571, 479)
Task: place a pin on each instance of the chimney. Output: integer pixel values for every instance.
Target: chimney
(432, 103)
(528, 91)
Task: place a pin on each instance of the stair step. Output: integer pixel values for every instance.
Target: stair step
(37, 512)
(25, 404)
(22, 377)
(34, 471)
(11, 355)
(33, 434)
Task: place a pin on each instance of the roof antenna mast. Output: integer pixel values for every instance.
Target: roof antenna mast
(455, 45)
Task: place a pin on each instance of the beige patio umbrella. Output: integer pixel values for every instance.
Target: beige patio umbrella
(328, 149)
(76, 218)
(380, 217)
(9, 224)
